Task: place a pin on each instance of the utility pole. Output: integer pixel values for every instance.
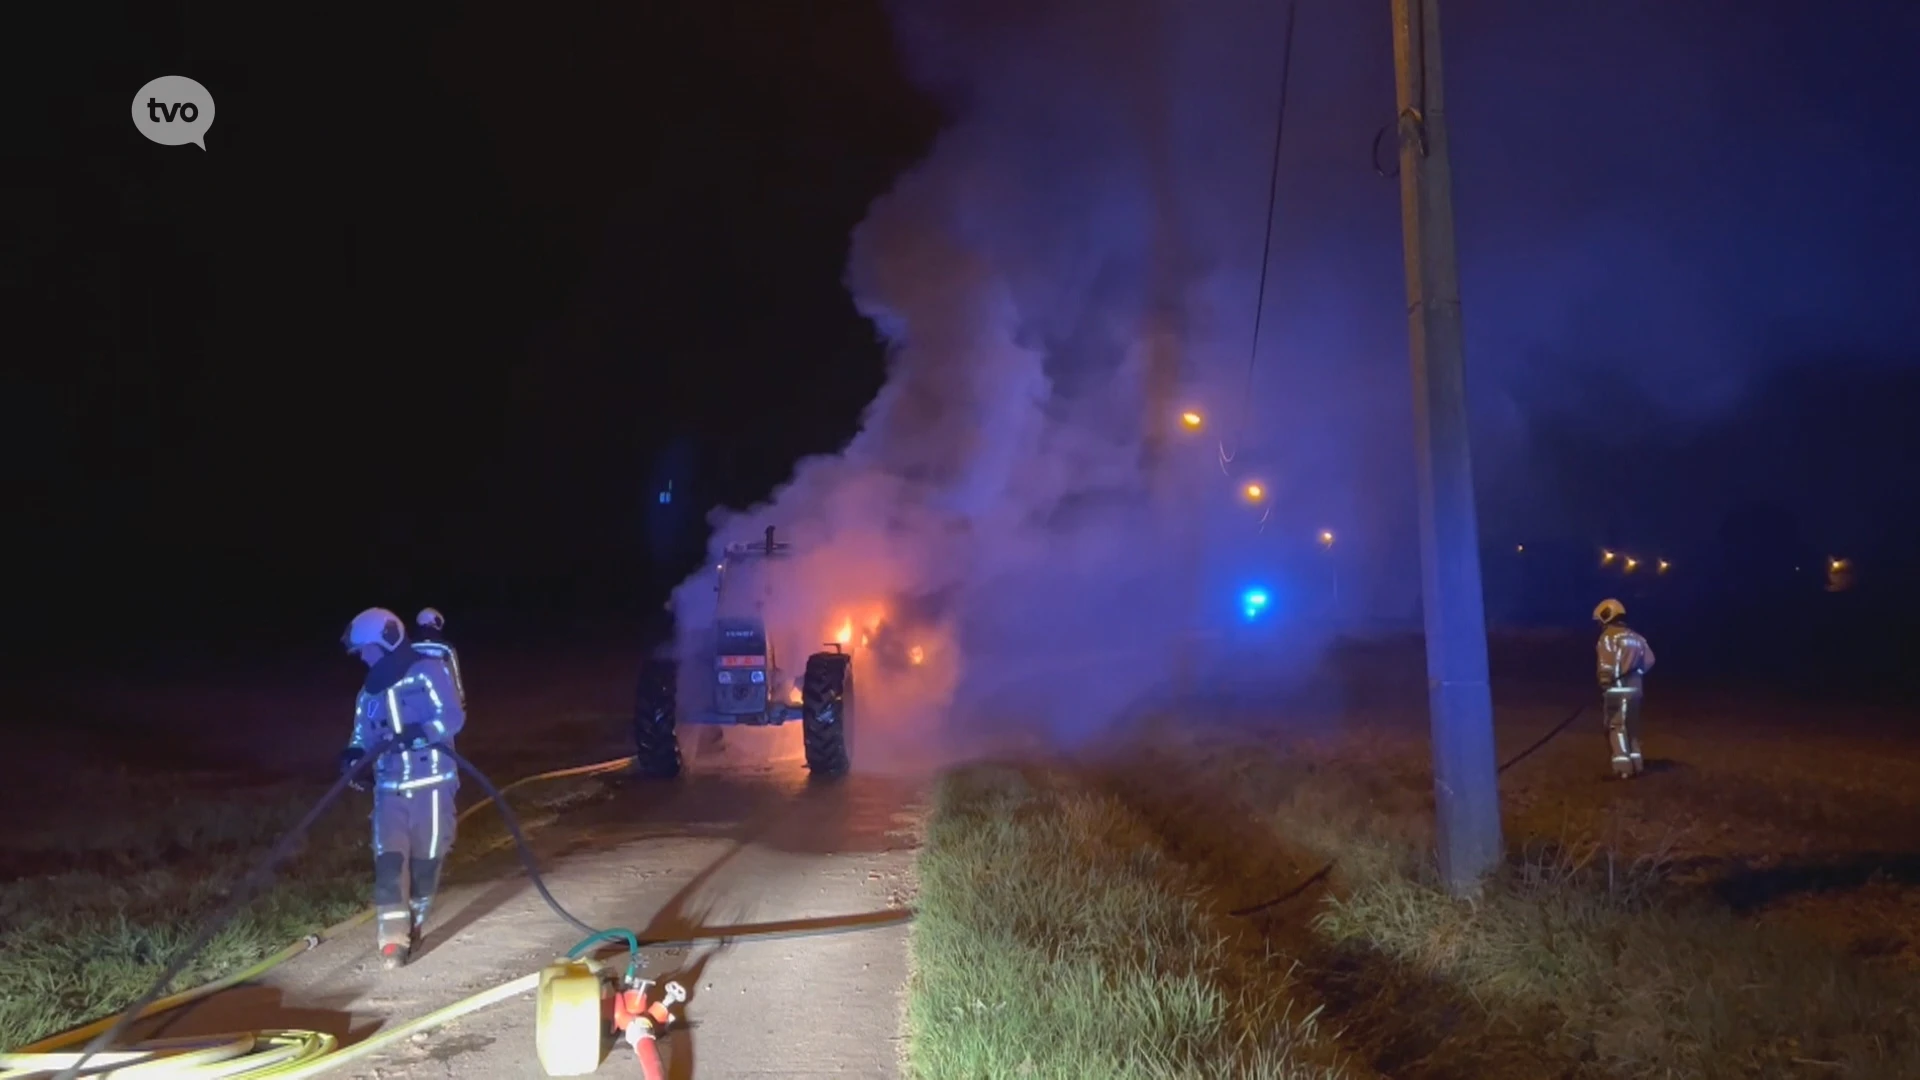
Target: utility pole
(1162, 330)
(1459, 698)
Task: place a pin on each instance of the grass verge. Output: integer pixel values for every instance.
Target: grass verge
(1648, 979)
(91, 912)
(1056, 939)
(1636, 966)
(106, 907)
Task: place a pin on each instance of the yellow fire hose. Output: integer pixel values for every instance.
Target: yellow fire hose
(281, 1054)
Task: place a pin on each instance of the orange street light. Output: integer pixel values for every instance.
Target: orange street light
(1191, 420)
(1254, 492)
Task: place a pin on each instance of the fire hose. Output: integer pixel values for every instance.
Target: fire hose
(1321, 874)
(287, 1054)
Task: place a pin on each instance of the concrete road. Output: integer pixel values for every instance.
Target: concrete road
(743, 846)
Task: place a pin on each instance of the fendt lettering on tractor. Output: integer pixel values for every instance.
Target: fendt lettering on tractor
(741, 679)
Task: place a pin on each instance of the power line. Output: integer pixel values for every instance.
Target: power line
(1266, 245)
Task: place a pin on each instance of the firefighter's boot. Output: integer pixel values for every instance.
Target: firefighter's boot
(424, 879)
(392, 920)
(416, 924)
(394, 937)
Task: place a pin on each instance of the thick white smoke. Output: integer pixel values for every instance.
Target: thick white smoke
(1002, 503)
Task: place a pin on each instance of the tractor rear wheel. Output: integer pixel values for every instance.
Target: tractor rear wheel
(656, 748)
(826, 703)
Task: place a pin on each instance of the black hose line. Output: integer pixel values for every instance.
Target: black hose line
(519, 839)
(770, 933)
(1544, 739)
(243, 893)
(262, 874)
(1321, 874)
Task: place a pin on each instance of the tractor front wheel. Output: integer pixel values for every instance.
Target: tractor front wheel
(656, 748)
(826, 702)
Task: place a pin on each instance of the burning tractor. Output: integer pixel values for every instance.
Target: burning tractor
(742, 682)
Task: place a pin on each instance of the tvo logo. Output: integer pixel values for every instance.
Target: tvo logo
(174, 110)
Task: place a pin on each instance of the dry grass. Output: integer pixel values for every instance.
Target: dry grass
(91, 914)
(1645, 979)
(1056, 939)
(1607, 946)
(106, 870)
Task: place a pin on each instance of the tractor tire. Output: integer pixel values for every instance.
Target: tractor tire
(826, 702)
(656, 749)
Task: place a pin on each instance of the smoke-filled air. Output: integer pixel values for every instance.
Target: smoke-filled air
(1049, 499)
(1078, 261)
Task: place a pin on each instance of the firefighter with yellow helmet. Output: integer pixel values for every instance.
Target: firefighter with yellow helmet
(1624, 660)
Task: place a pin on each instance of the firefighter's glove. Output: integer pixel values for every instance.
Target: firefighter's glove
(411, 737)
(350, 760)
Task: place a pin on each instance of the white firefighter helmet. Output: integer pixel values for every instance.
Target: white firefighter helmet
(374, 626)
(1609, 610)
(431, 619)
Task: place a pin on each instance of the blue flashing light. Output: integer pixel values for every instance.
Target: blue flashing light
(1253, 602)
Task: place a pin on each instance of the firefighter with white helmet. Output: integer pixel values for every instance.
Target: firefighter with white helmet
(431, 636)
(1624, 660)
(408, 707)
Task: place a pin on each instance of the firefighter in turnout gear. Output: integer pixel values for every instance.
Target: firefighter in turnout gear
(407, 708)
(431, 637)
(1624, 660)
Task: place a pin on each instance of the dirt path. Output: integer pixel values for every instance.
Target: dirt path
(744, 846)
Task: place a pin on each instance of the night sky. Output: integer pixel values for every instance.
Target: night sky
(420, 324)
(457, 288)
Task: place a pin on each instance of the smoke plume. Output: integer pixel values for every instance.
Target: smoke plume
(1068, 270)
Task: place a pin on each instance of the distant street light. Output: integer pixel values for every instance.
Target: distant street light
(1333, 567)
(1520, 548)
(1663, 565)
(1254, 492)
(1632, 563)
(1191, 420)
(1839, 574)
(1605, 557)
